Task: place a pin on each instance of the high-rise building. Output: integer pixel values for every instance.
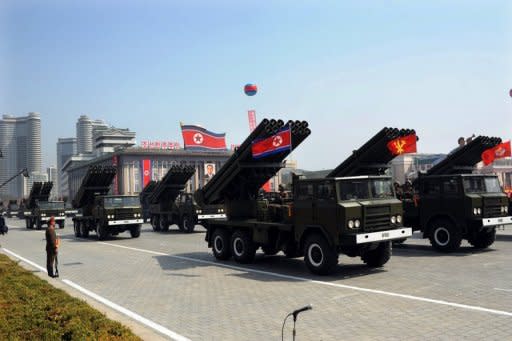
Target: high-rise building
(20, 143)
(108, 140)
(52, 176)
(66, 148)
(85, 128)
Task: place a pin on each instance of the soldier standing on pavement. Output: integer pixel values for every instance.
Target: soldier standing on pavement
(51, 247)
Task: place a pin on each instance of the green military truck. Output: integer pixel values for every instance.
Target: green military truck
(103, 213)
(168, 204)
(38, 209)
(354, 215)
(449, 203)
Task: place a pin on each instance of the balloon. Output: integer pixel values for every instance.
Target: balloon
(510, 92)
(250, 89)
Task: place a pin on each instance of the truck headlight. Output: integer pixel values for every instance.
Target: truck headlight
(393, 219)
(475, 211)
(357, 223)
(479, 210)
(399, 218)
(350, 224)
(43, 214)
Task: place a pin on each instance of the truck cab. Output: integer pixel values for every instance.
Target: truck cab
(116, 210)
(449, 208)
(41, 213)
(12, 209)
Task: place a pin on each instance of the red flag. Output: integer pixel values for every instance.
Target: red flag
(497, 152)
(198, 138)
(279, 142)
(146, 172)
(403, 145)
(252, 119)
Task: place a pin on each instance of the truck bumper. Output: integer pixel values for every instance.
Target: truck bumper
(497, 221)
(56, 218)
(125, 222)
(211, 216)
(383, 235)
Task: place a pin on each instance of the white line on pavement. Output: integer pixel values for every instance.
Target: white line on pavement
(110, 304)
(303, 279)
(499, 289)
(127, 312)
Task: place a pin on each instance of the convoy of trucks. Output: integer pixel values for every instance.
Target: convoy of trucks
(353, 210)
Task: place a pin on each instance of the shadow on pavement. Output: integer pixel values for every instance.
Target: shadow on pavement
(279, 265)
(504, 237)
(414, 250)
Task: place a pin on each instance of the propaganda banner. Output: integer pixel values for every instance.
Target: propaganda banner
(403, 145)
(252, 119)
(146, 172)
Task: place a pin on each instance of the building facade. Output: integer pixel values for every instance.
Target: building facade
(85, 128)
(20, 143)
(52, 176)
(108, 140)
(136, 166)
(66, 148)
(407, 166)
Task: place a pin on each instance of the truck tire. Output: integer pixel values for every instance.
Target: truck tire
(483, 239)
(135, 231)
(28, 224)
(84, 229)
(319, 256)
(221, 244)
(38, 224)
(444, 236)
(101, 231)
(62, 224)
(242, 247)
(155, 223)
(187, 224)
(76, 228)
(379, 256)
(164, 224)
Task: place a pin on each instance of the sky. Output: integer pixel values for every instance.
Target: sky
(443, 68)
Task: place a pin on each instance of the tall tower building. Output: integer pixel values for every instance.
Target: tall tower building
(20, 143)
(66, 147)
(85, 128)
(52, 176)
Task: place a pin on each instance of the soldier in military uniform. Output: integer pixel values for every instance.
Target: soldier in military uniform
(51, 248)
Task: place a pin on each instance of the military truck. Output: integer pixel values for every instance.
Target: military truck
(354, 215)
(38, 209)
(12, 208)
(449, 203)
(144, 199)
(103, 213)
(169, 205)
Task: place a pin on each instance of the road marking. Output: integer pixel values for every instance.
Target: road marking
(108, 303)
(499, 289)
(127, 312)
(303, 279)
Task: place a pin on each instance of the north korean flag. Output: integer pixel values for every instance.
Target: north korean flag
(403, 145)
(272, 145)
(497, 152)
(198, 138)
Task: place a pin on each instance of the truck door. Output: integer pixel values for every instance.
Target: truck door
(324, 207)
(453, 200)
(430, 200)
(303, 204)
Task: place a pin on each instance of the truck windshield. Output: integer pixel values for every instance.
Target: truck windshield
(48, 205)
(13, 206)
(482, 185)
(121, 201)
(365, 189)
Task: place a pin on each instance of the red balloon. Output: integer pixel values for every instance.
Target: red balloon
(510, 92)
(250, 89)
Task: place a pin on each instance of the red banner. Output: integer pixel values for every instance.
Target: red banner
(146, 172)
(273, 144)
(497, 152)
(115, 185)
(195, 137)
(403, 145)
(252, 119)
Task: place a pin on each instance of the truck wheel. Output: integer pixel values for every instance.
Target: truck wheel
(221, 244)
(135, 231)
(379, 256)
(444, 236)
(101, 231)
(27, 223)
(164, 224)
(243, 247)
(319, 256)
(62, 224)
(39, 224)
(155, 222)
(188, 224)
(84, 229)
(76, 227)
(269, 250)
(483, 239)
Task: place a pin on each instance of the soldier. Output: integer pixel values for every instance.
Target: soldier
(51, 248)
